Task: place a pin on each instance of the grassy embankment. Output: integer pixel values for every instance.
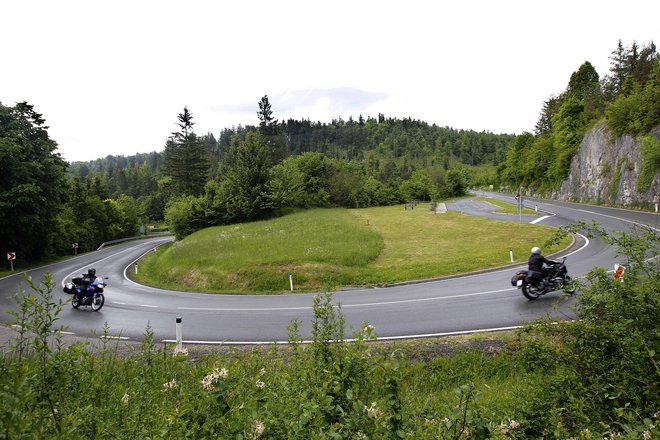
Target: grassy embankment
(505, 207)
(326, 249)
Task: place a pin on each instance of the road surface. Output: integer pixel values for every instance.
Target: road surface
(471, 303)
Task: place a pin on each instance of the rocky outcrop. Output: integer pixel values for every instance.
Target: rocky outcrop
(605, 171)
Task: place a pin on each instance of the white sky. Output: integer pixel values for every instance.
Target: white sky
(110, 77)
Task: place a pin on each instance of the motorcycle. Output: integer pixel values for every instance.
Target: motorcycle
(534, 285)
(86, 294)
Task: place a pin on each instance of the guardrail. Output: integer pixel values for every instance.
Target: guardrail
(137, 237)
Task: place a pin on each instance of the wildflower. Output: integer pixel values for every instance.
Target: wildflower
(169, 385)
(124, 400)
(646, 435)
(585, 432)
(514, 425)
(361, 435)
(180, 351)
(207, 382)
(260, 384)
(258, 429)
(262, 372)
(373, 410)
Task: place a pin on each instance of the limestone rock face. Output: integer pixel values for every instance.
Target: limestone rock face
(605, 170)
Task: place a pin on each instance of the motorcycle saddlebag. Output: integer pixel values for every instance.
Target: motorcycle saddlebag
(534, 275)
(68, 288)
(518, 276)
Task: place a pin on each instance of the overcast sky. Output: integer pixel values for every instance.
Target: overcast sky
(110, 77)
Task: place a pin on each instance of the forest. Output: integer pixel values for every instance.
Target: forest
(257, 171)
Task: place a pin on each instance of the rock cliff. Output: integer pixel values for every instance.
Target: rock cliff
(605, 171)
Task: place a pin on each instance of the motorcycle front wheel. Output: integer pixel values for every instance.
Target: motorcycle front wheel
(569, 286)
(75, 303)
(97, 302)
(530, 292)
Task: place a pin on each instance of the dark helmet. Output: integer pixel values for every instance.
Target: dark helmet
(91, 272)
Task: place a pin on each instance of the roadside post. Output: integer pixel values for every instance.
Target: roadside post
(291, 281)
(511, 254)
(618, 272)
(179, 332)
(11, 256)
(74, 246)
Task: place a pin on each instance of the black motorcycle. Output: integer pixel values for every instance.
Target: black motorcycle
(86, 294)
(533, 284)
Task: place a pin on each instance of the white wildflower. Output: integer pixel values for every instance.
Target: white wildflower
(260, 384)
(169, 385)
(207, 382)
(125, 399)
(179, 350)
(373, 410)
(258, 428)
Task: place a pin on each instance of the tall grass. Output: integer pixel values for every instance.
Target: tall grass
(325, 249)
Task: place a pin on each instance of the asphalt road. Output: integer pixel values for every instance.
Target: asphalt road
(470, 303)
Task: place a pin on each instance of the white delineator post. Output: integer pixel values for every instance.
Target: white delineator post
(511, 254)
(179, 332)
(291, 281)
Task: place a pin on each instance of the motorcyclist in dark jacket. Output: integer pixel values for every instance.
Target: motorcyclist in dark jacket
(87, 279)
(539, 263)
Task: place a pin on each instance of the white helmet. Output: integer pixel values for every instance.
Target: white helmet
(536, 250)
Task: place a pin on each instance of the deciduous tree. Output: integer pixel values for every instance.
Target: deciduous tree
(32, 182)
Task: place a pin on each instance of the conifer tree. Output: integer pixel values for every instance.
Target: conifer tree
(186, 159)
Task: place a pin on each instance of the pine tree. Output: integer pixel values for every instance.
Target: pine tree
(186, 159)
(270, 132)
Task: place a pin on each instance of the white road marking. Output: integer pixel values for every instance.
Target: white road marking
(344, 306)
(540, 219)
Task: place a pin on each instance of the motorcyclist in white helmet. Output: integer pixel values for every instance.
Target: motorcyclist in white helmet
(538, 263)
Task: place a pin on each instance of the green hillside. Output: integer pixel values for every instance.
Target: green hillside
(326, 249)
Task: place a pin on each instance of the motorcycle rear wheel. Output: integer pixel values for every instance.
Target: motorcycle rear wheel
(97, 302)
(530, 292)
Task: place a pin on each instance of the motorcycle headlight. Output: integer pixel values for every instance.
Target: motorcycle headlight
(100, 286)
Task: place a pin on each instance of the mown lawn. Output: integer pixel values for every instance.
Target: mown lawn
(326, 249)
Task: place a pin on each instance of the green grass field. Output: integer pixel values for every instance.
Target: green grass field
(327, 249)
(505, 207)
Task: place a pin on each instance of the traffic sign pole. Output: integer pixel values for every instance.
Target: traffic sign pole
(11, 256)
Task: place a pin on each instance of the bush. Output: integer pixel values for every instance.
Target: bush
(611, 347)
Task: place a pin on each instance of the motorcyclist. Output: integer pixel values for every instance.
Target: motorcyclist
(87, 279)
(538, 263)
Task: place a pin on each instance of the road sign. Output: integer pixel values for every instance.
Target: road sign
(618, 271)
(11, 256)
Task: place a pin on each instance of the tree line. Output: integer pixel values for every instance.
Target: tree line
(254, 171)
(43, 210)
(627, 98)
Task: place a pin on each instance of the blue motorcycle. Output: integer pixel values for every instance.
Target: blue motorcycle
(86, 294)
